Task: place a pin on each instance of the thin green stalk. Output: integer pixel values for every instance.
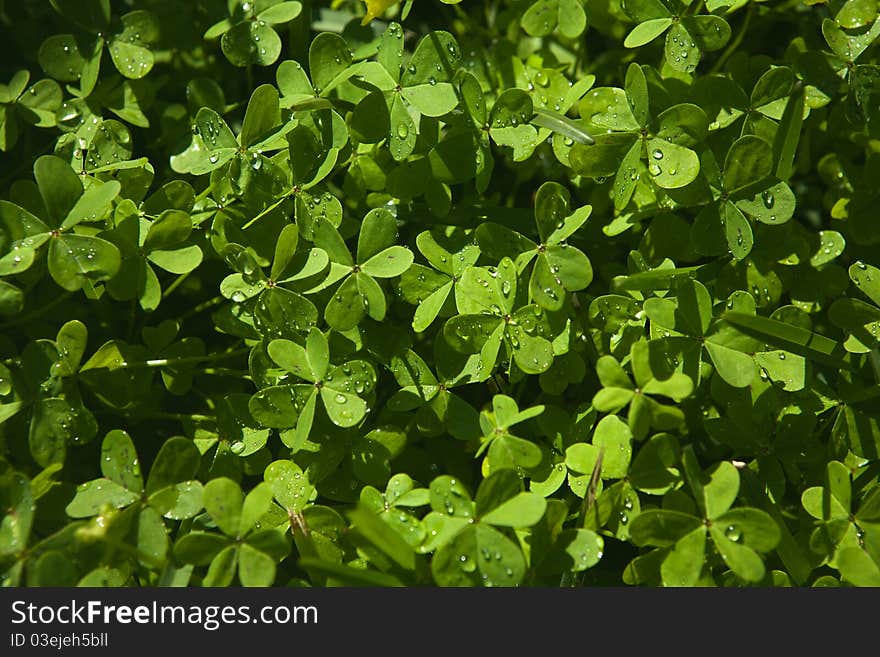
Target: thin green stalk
(227, 371)
(177, 281)
(205, 305)
(24, 319)
(299, 34)
(737, 40)
(173, 362)
(155, 415)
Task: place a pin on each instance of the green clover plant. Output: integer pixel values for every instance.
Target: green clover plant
(550, 294)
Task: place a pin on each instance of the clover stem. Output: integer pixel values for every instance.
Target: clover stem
(155, 415)
(177, 281)
(299, 33)
(204, 193)
(132, 313)
(23, 319)
(205, 305)
(165, 362)
(874, 359)
(737, 40)
(263, 213)
(227, 371)
(694, 8)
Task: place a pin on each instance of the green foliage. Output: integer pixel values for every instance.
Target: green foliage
(566, 292)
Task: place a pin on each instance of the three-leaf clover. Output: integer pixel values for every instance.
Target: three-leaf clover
(687, 37)
(76, 260)
(618, 391)
(503, 449)
(686, 325)
(558, 266)
(430, 396)
(68, 58)
(403, 93)
(489, 320)
(246, 36)
(393, 506)
(377, 256)
(152, 236)
(243, 547)
(19, 104)
(663, 141)
(450, 252)
(342, 389)
(214, 145)
(738, 534)
(170, 491)
(839, 528)
(470, 549)
(277, 310)
(725, 101)
(745, 187)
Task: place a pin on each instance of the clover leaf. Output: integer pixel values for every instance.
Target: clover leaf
(686, 326)
(504, 449)
(342, 389)
(477, 553)
(618, 391)
(687, 37)
(35, 105)
(663, 139)
(70, 57)
(490, 320)
(745, 188)
(359, 294)
(558, 267)
(242, 548)
(146, 241)
(407, 91)
(838, 529)
(277, 310)
(436, 406)
(449, 252)
(738, 534)
(75, 260)
(246, 36)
